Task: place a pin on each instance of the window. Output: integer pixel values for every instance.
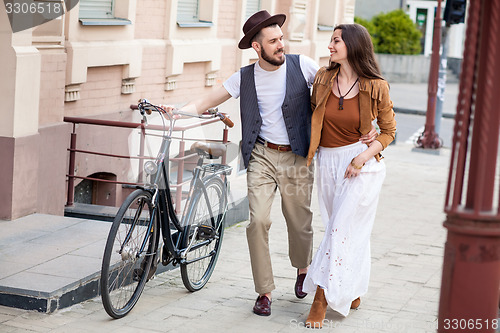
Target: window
(188, 14)
(99, 12)
(96, 9)
(187, 11)
(253, 6)
(326, 15)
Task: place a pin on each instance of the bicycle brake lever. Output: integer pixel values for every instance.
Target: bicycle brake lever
(142, 105)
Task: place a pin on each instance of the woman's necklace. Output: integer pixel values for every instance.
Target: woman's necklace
(341, 98)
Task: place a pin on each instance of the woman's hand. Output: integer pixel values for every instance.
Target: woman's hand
(370, 136)
(354, 168)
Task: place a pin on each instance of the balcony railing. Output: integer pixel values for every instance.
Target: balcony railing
(145, 130)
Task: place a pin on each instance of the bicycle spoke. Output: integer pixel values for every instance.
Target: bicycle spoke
(207, 211)
(125, 268)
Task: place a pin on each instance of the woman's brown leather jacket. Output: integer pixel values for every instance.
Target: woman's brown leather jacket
(374, 103)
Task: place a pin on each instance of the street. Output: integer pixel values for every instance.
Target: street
(410, 126)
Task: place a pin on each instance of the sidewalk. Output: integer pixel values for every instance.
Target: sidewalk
(407, 254)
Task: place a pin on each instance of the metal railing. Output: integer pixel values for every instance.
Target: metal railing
(179, 159)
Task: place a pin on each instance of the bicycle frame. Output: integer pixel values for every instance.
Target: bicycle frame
(163, 206)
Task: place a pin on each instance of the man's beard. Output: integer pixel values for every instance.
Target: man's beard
(270, 60)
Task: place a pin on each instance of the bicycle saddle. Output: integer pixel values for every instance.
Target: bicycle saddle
(212, 148)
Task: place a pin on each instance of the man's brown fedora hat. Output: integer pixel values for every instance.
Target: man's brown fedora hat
(255, 23)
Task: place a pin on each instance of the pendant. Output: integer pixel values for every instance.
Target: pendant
(341, 103)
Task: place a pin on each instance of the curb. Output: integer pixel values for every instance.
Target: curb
(421, 112)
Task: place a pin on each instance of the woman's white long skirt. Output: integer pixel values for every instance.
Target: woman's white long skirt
(348, 206)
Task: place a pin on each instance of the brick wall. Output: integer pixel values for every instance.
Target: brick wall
(189, 85)
(227, 27)
(151, 83)
(150, 19)
(101, 94)
(228, 66)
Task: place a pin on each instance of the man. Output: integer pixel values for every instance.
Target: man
(276, 122)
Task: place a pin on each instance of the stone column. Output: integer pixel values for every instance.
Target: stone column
(20, 65)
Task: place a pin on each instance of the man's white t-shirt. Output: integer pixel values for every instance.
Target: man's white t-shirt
(271, 88)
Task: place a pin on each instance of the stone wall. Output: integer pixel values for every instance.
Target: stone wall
(404, 68)
(398, 68)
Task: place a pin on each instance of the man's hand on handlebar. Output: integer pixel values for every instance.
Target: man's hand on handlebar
(169, 111)
(172, 113)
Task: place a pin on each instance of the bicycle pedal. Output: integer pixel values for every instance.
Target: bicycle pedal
(166, 256)
(206, 232)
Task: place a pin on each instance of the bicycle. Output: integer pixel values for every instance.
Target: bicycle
(132, 251)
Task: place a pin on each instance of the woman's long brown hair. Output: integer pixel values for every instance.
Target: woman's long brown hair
(360, 54)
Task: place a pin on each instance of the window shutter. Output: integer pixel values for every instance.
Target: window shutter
(96, 9)
(187, 11)
(253, 6)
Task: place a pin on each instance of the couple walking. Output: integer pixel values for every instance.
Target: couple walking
(283, 127)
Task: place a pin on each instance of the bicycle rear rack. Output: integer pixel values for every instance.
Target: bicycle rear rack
(216, 169)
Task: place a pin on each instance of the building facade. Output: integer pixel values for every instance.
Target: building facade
(100, 57)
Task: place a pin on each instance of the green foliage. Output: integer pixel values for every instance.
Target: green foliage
(367, 24)
(393, 33)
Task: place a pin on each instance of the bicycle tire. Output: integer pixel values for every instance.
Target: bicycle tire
(196, 274)
(123, 274)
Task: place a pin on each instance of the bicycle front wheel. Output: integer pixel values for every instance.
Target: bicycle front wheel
(129, 251)
(204, 233)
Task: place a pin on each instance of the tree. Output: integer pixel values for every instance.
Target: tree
(393, 33)
(367, 24)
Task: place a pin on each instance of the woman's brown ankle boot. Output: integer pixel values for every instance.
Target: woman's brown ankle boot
(318, 310)
(355, 304)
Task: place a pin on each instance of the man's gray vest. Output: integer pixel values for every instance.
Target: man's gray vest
(296, 109)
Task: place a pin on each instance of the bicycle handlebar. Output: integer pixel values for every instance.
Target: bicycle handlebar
(229, 123)
(145, 106)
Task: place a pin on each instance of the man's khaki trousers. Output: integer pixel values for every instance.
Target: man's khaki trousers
(269, 170)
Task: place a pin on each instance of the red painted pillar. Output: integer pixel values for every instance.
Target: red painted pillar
(429, 138)
(471, 269)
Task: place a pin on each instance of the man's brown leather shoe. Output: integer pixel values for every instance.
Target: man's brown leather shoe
(262, 306)
(298, 285)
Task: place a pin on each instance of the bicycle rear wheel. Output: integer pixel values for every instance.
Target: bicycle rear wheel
(125, 267)
(207, 227)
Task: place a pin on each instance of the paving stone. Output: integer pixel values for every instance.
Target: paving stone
(34, 283)
(69, 266)
(32, 254)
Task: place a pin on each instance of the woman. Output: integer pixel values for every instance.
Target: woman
(347, 96)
